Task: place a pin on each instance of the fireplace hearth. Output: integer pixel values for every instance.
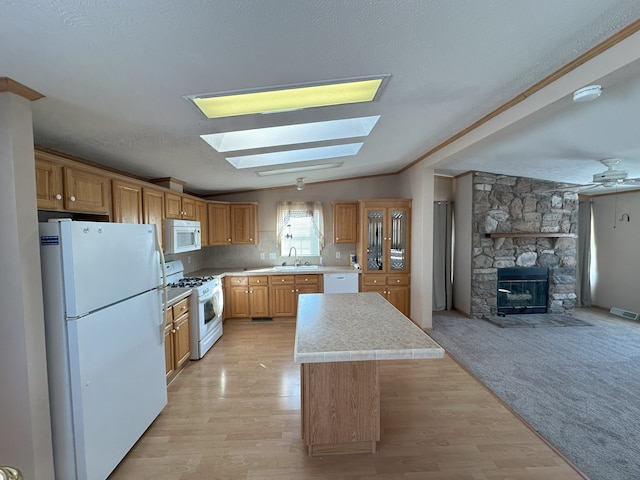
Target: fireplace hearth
(522, 290)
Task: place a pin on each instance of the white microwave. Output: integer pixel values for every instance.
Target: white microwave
(181, 236)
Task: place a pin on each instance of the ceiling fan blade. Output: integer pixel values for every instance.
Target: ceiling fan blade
(631, 181)
(586, 188)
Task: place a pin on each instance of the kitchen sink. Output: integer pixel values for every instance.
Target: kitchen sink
(288, 268)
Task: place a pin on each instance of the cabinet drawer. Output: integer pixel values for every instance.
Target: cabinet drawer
(306, 279)
(238, 281)
(397, 280)
(373, 280)
(282, 280)
(180, 307)
(259, 280)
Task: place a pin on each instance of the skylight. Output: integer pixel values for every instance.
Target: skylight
(294, 156)
(288, 97)
(304, 168)
(291, 134)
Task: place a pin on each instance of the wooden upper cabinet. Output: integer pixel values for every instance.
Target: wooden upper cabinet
(385, 237)
(86, 191)
(173, 205)
(202, 217)
(179, 207)
(188, 208)
(49, 187)
(60, 187)
(153, 209)
(244, 223)
(345, 222)
(219, 223)
(127, 202)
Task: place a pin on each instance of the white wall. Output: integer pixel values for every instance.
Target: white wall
(418, 182)
(462, 248)
(348, 190)
(25, 431)
(615, 252)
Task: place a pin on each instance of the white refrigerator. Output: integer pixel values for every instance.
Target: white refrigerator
(102, 285)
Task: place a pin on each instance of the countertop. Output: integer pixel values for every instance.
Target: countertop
(302, 269)
(174, 295)
(343, 327)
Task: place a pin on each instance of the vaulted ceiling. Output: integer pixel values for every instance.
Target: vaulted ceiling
(115, 73)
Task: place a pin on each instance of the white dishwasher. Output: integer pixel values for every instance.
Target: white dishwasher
(341, 282)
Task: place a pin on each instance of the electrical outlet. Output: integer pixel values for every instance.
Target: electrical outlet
(261, 255)
(272, 256)
(337, 254)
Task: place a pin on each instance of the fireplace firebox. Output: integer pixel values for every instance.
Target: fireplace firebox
(522, 290)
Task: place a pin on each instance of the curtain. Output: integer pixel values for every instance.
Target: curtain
(287, 210)
(583, 264)
(442, 241)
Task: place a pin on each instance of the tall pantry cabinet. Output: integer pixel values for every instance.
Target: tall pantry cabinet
(383, 249)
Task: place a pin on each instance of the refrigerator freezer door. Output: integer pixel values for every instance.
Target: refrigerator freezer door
(104, 263)
(118, 385)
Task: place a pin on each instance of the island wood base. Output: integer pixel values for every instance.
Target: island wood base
(340, 407)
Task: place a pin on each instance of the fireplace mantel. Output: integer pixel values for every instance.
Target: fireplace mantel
(530, 235)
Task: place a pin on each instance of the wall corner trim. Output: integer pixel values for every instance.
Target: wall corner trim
(9, 85)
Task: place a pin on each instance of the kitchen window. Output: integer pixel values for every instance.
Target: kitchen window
(300, 225)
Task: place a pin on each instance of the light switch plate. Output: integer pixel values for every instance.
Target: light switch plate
(337, 254)
(261, 255)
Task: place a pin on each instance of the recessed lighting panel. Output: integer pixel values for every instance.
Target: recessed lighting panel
(305, 168)
(287, 98)
(291, 134)
(294, 156)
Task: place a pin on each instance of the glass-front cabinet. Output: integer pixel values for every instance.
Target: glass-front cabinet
(383, 250)
(385, 237)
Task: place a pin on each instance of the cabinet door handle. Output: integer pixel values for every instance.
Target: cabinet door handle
(58, 196)
(173, 330)
(72, 198)
(177, 328)
(293, 291)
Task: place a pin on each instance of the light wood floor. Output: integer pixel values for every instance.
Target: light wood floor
(236, 415)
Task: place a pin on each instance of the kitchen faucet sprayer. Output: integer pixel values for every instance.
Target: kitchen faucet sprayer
(296, 262)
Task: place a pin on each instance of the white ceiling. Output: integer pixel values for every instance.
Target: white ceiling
(114, 74)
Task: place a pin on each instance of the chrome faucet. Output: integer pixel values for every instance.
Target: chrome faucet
(296, 262)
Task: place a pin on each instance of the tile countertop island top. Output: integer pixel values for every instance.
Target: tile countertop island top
(344, 327)
(340, 340)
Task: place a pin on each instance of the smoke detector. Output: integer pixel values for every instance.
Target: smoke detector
(586, 94)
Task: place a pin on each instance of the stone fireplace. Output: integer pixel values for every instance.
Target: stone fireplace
(522, 290)
(522, 223)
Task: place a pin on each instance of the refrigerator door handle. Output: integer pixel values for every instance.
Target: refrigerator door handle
(164, 283)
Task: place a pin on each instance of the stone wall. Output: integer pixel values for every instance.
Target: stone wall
(504, 204)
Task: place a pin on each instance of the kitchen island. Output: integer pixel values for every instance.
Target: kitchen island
(340, 339)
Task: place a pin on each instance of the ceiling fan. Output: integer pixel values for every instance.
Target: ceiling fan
(611, 177)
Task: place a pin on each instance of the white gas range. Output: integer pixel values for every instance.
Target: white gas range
(206, 306)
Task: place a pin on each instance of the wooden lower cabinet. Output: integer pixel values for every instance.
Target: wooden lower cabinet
(177, 338)
(267, 296)
(283, 295)
(285, 290)
(395, 288)
(340, 406)
(248, 296)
